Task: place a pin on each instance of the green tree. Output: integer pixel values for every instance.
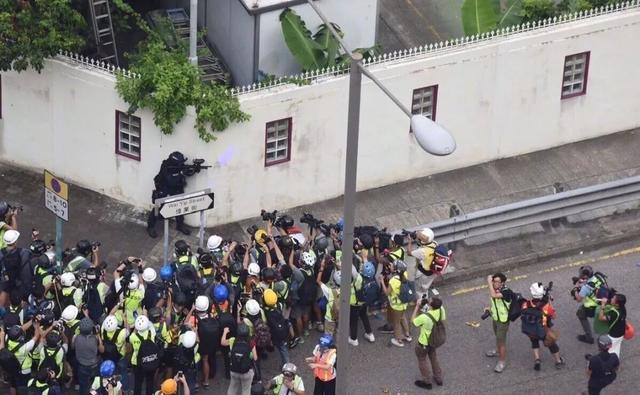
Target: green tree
(536, 10)
(31, 31)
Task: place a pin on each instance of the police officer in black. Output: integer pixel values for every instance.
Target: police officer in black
(170, 180)
(602, 366)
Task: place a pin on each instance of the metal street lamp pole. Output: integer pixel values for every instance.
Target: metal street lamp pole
(193, 32)
(443, 146)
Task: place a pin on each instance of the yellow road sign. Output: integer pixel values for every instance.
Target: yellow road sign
(56, 185)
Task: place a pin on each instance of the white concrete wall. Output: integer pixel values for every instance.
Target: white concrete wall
(499, 98)
(357, 18)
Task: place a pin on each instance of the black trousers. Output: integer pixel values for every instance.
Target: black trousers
(153, 218)
(360, 312)
(324, 387)
(143, 377)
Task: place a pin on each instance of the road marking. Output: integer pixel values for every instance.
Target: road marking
(581, 262)
(426, 21)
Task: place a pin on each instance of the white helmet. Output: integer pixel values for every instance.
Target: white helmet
(254, 269)
(11, 236)
(336, 276)
(110, 323)
(69, 313)
(426, 235)
(135, 282)
(214, 242)
(308, 258)
(252, 306)
(149, 275)
(202, 303)
(537, 290)
(298, 238)
(67, 279)
(142, 323)
(188, 339)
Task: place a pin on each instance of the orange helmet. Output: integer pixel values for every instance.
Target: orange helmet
(169, 387)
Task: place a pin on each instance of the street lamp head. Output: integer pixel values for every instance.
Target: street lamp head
(432, 137)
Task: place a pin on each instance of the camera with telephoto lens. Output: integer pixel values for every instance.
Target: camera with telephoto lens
(240, 249)
(485, 315)
(413, 234)
(252, 230)
(15, 207)
(269, 216)
(308, 218)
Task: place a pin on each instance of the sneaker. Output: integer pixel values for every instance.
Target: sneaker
(294, 342)
(499, 367)
(491, 354)
(585, 339)
(370, 337)
(352, 342)
(536, 365)
(408, 339)
(397, 343)
(560, 364)
(386, 328)
(320, 327)
(423, 384)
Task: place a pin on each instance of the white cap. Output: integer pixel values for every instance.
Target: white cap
(537, 290)
(214, 242)
(11, 236)
(149, 275)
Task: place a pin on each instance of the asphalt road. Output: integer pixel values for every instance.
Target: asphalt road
(380, 369)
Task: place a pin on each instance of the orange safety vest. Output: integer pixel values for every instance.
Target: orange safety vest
(325, 374)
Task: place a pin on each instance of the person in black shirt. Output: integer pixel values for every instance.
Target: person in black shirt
(616, 317)
(602, 366)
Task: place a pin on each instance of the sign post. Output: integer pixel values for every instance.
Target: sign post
(56, 199)
(186, 203)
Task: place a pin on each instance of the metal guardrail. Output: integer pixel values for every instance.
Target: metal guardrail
(536, 210)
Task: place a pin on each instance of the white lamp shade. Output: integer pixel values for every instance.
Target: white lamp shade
(432, 137)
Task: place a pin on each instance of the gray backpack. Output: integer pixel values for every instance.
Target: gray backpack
(438, 334)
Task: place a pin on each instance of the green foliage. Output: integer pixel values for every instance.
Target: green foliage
(31, 31)
(480, 16)
(319, 50)
(512, 14)
(536, 10)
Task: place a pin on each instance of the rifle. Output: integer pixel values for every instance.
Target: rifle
(189, 170)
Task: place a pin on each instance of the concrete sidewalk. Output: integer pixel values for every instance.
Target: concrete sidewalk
(121, 228)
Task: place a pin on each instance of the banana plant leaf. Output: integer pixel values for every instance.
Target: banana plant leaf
(307, 52)
(479, 16)
(512, 14)
(344, 59)
(330, 44)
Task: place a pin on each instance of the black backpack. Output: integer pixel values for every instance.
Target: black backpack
(110, 347)
(209, 328)
(226, 320)
(8, 361)
(262, 334)
(407, 291)
(152, 294)
(240, 357)
(184, 358)
(12, 264)
(187, 279)
(67, 300)
(308, 289)
(94, 303)
(12, 318)
(515, 308)
(277, 325)
(532, 322)
(369, 292)
(149, 354)
(49, 360)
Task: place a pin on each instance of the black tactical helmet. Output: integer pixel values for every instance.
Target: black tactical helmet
(181, 247)
(180, 299)
(93, 274)
(15, 333)
(155, 313)
(177, 158)
(321, 243)
(86, 326)
(268, 274)
(243, 331)
(286, 221)
(366, 240)
(38, 247)
(47, 318)
(206, 260)
(53, 339)
(4, 209)
(236, 268)
(83, 247)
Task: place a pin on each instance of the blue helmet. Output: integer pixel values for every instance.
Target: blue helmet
(107, 369)
(166, 272)
(369, 270)
(220, 293)
(326, 341)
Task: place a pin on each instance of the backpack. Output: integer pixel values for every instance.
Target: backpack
(240, 357)
(407, 291)
(94, 303)
(67, 300)
(187, 280)
(277, 325)
(515, 308)
(110, 347)
(149, 355)
(184, 358)
(8, 361)
(49, 360)
(308, 289)
(152, 294)
(532, 322)
(12, 317)
(209, 328)
(12, 264)
(598, 285)
(440, 260)
(263, 334)
(438, 334)
(226, 320)
(369, 293)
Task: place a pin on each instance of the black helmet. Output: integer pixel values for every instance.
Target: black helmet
(4, 209)
(285, 242)
(47, 318)
(180, 299)
(83, 247)
(155, 313)
(286, 221)
(176, 158)
(586, 271)
(38, 247)
(236, 268)
(268, 274)
(366, 240)
(15, 333)
(86, 326)
(93, 274)
(206, 260)
(43, 261)
(243, 331)
(181, 247)
(321, 243)
(53, 339)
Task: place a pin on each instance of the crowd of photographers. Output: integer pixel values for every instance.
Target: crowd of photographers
(64, 325)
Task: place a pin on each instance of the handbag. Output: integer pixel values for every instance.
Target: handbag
(550, 337)
(629, 331)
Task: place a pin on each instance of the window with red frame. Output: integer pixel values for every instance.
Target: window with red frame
(128, 136)
(278, 142)
(576, 71)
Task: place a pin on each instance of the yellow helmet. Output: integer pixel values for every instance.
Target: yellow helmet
(169, 387)
(270, 297)
(260, 233)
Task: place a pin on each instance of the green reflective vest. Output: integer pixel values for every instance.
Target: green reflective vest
(500, 310)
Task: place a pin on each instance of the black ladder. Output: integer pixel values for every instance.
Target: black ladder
(103, 31)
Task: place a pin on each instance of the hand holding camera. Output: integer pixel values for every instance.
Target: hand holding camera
(486, 314)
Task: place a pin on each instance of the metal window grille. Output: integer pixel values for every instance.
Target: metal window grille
(278, 141)
(574, 81)
(128, 135)
(424, 101)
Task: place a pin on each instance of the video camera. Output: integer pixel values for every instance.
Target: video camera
(307, 218)
(269, 216)
(15, 207)
(189, 170)
(411, 234)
